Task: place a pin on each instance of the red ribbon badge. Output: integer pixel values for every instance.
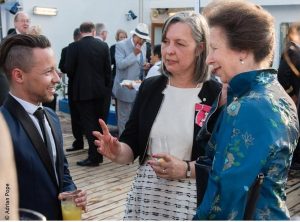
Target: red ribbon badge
(201, 113)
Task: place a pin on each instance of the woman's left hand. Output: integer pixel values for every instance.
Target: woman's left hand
(167, 166)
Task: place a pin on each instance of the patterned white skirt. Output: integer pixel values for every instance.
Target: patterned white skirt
(154, 198)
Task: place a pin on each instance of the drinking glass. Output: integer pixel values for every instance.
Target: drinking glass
(26, 214)
(158, 144)
(68, 206)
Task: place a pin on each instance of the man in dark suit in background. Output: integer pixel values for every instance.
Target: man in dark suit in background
(75, 117)
(42, 169)
(88, 62)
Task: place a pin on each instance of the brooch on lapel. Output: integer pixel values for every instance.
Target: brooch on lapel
(234, 107)
(201, 113)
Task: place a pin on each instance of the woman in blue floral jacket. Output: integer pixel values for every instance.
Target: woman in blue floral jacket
(257, 127)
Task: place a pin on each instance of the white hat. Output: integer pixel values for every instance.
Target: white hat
(141, 31)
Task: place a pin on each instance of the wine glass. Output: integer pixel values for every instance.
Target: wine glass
(158, 144)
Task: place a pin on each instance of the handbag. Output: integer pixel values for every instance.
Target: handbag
(253, 197)
(202, 168)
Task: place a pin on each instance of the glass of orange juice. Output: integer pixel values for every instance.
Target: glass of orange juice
(68, 206)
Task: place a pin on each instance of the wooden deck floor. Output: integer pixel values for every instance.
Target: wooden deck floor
(108, 184)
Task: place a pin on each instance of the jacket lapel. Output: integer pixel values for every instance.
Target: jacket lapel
(59, 151)
(208, 93)
(21, 115)
(130, 46)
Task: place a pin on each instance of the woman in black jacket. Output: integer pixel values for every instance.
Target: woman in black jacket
(173, 105)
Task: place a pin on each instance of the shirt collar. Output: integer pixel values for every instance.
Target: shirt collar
(29, 107)
(296, 44)
(157, 63)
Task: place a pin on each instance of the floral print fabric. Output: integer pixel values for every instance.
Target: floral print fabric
(256, 132)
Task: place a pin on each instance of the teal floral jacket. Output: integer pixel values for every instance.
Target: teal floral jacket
(256, 132)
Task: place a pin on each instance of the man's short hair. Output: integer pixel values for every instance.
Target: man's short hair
(19, 13)
(100, 27)
(16, 51)
(76, 34)
(87, 27)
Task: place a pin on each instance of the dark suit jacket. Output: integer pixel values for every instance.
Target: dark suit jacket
(62, 60)
(146, 107)
(286, 77)
(62, 68)
(88, 64)
(11, 31)
(4, 87)
(38, 188)
(112, 50)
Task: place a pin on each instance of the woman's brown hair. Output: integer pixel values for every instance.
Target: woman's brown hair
(247, 26)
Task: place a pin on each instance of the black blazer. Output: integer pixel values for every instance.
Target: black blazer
(88, 64)
(11, 31)
(62, 68)
(146, 107)
(286, 77)
(62, 60)
(4, 87)
(113, 60)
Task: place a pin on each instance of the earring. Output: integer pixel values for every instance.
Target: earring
(242, 61)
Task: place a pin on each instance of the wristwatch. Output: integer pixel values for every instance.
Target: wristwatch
(188, 170)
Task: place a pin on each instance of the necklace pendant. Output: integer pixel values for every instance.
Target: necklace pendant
(234, 107)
